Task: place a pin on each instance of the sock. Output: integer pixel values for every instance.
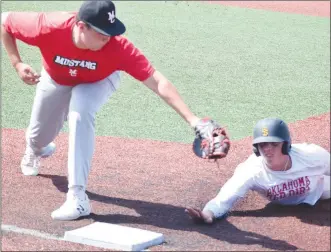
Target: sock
(78, 191)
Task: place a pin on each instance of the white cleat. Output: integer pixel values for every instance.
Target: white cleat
(30, 163)
(73, 208)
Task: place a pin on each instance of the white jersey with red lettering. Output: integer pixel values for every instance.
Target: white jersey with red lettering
(302, 183)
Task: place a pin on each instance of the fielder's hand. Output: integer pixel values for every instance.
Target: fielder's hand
(199, 216)
(27, 74)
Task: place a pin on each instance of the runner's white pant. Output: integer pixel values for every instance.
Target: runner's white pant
(53, 104)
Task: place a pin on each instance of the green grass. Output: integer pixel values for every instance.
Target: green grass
(235, 65)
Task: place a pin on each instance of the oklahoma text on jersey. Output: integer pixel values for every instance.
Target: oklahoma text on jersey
(289, 188)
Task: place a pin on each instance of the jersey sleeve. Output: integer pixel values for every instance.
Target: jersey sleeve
(325, 158)
(318, 155)
(25, 26)
(233, 190)
(134, 62)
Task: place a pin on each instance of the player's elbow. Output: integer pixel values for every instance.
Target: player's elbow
(158, 83)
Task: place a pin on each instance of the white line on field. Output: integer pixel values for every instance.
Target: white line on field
(31, 232)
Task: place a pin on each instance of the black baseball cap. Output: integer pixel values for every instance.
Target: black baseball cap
(101, 16)
(270, 130)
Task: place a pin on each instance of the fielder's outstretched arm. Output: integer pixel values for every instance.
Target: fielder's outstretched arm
(167, 91)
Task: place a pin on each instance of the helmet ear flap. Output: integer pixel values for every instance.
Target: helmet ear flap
(256, 150)
(286, 148)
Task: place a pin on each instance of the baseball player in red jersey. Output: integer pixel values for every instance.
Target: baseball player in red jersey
(83, 53)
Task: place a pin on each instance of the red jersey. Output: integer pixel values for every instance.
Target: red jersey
(67, 64)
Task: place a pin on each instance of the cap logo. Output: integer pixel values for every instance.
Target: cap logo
(111, 17)
(265, 132)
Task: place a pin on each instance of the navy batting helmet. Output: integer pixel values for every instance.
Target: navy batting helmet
(271, 130)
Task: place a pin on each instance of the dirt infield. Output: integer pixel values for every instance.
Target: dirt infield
(150, 190)
(313, 8)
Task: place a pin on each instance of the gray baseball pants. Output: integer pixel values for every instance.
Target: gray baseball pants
(54, 104)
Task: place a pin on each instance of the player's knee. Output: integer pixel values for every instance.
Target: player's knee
(77, 117)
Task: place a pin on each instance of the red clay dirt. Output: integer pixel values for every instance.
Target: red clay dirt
(148, 184)
(310, 8)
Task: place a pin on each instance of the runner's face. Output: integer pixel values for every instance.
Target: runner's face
(271, 151)
(92, 39)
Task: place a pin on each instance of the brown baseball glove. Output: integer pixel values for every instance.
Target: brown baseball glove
(211, 140)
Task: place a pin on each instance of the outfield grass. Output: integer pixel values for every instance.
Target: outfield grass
(233, 64)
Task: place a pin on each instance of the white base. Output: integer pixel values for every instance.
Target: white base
(111, 236)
